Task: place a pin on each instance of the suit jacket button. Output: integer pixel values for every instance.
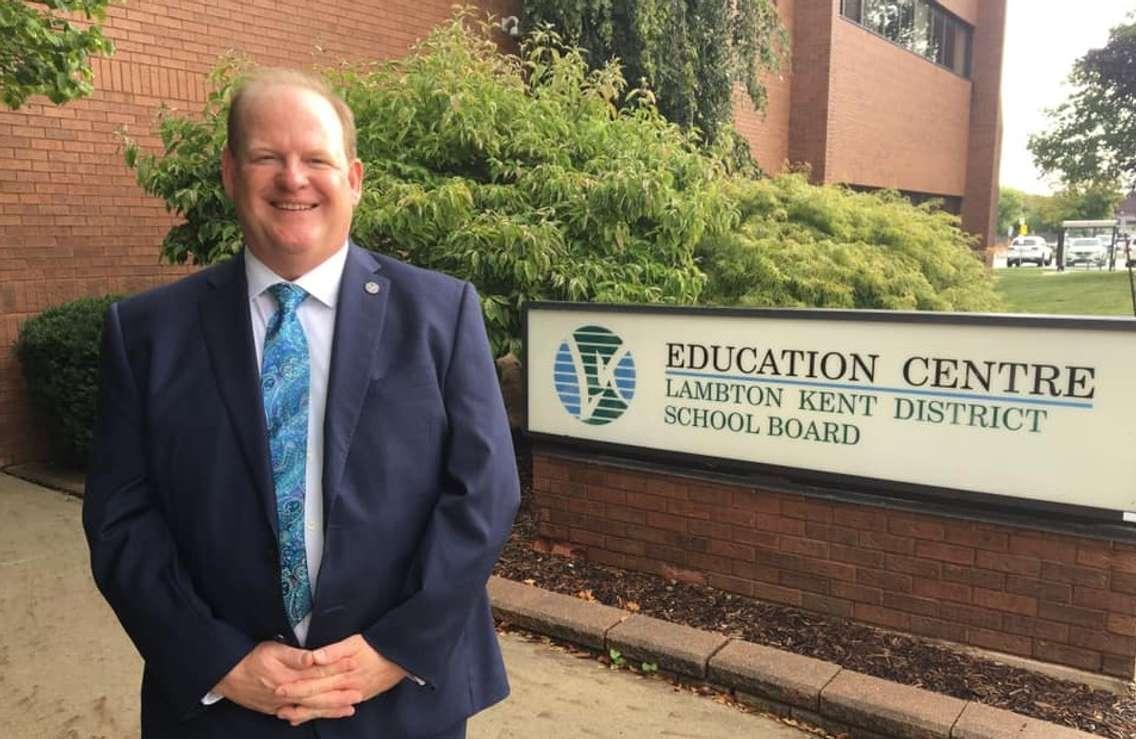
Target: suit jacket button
(280, 638)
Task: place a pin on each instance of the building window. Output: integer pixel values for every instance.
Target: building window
(918, 25)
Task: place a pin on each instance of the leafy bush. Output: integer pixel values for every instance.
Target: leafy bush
(537, 179)
(796, 244)
(59, 352)
(521, 174)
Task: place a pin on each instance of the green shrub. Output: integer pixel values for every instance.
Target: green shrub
(59, 352)
(801, 245)
(537, 179)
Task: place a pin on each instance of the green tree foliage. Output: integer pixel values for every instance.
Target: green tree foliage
(1044, 213)
(1011, 208)
(521, 174)
(42, 53)
(187, 175)
(1093, 134)
(690, 52)
(796, 244)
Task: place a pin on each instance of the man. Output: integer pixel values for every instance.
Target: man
(302, 472)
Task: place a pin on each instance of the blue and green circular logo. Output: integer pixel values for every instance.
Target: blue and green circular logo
(594, 375)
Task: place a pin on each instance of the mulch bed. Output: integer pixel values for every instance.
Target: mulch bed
(903, 659)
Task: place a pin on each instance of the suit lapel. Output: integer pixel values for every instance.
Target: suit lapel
(359, 314)
(227, 327)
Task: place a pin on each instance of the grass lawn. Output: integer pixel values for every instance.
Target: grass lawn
(1074, 292)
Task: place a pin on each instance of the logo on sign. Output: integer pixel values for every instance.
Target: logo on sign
(594, 375)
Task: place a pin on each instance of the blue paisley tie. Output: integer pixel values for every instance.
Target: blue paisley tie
(284, 382)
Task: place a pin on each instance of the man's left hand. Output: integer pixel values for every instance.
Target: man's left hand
(372, 674)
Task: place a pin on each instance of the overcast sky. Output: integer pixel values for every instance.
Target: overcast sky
(1043, 39)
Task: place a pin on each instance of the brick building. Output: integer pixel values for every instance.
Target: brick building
(854, 103)
(901, 94)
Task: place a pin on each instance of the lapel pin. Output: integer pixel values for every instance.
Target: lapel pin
(372, 288)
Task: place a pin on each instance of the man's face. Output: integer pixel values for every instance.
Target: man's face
(292, 185)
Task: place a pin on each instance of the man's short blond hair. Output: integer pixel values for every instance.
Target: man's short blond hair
(270, 77)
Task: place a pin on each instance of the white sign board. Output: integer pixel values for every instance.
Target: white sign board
(1026, 407)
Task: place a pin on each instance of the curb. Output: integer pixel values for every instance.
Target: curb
(45, 475)
(813, 691)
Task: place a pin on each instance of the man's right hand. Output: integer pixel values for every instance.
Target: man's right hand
(252, 683)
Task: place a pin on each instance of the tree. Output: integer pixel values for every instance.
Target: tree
(1011, 209)
(689, 52)
(1088, 202)
(42, 53)
(1044, 213)
(1093, 136)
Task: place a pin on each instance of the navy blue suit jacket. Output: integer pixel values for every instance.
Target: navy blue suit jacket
(419, 483)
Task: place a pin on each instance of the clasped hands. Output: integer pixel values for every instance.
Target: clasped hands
(298, 685)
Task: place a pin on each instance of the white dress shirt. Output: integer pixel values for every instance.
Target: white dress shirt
(317, 316)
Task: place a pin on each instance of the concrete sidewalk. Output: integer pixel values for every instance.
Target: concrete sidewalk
(68, 670)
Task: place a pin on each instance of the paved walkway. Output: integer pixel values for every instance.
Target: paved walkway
(68, 670)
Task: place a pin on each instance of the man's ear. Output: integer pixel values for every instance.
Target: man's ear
(355, 179)
(228, 170)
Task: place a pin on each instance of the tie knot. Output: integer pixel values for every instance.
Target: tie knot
(288, 296)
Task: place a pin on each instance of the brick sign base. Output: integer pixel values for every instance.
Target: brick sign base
(1064, 599)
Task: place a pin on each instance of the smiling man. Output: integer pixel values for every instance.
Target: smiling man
(303, 472)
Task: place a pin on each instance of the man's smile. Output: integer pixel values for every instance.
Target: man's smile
(280, 205)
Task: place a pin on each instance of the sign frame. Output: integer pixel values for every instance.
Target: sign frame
(979, 505)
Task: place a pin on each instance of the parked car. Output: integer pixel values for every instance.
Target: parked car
(1087, 250)
(1032, 249)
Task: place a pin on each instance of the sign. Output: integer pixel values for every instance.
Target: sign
(1027, 407)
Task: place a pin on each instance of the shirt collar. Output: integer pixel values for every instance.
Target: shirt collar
(321, 282)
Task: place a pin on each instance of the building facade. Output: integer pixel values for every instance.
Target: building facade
(862, 102)
(900, 94)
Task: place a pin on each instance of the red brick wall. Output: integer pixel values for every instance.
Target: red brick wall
(964, 9)
(1063, 599)
(812, 66)
(768, 133)
(980, 204)
(72, 221)
(895, 119)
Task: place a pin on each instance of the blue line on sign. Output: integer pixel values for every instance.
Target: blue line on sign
(878, 389)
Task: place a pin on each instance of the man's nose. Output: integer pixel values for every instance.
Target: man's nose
(291, 175)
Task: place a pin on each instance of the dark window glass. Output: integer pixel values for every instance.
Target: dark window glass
(948, 44)
(852, 9)
(962, 51)
(938, 30)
